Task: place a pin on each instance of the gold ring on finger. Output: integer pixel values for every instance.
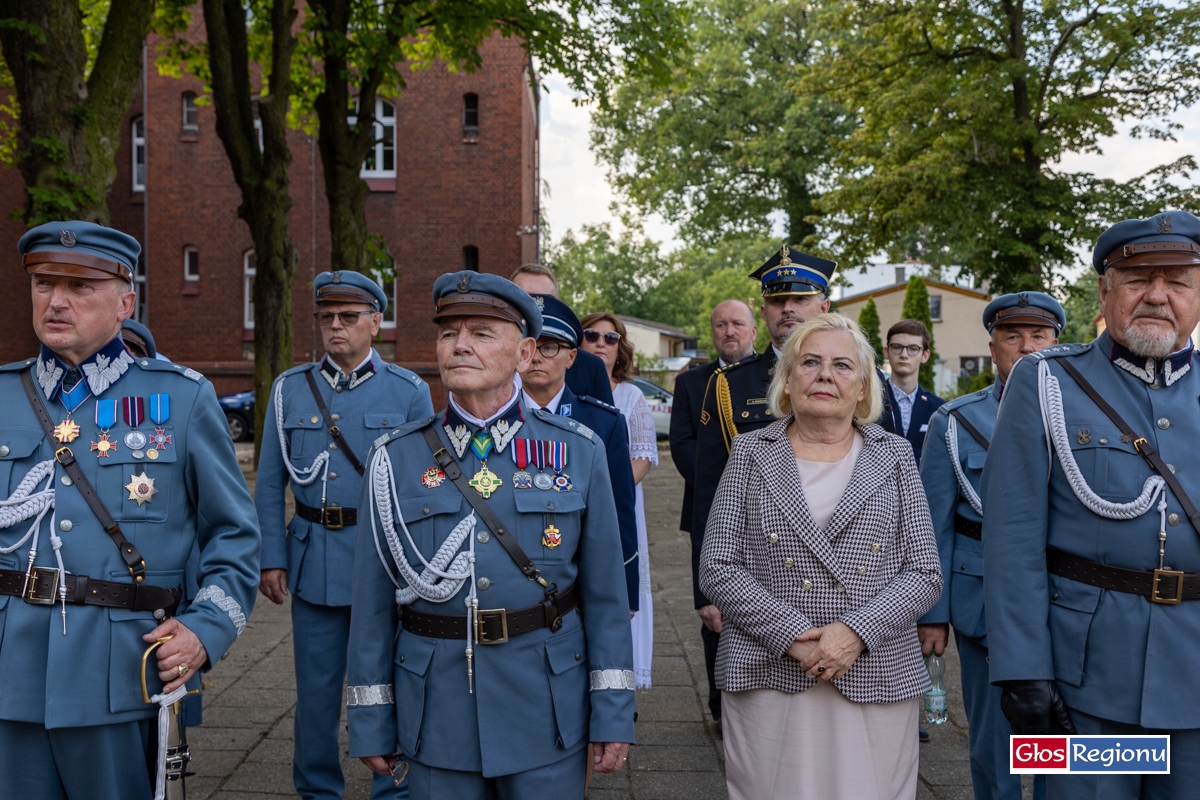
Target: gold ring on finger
(181, 670)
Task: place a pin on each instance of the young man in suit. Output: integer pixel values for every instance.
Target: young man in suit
(912, 406)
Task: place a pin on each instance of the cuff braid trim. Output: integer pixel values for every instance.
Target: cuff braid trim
(379, 694)
(612, 679)
(216, 595)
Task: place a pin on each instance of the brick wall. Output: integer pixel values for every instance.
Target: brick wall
(449, 193)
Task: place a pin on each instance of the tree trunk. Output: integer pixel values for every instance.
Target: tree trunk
(798, 205)
(261, 175)
(70, 123)
(343, 146)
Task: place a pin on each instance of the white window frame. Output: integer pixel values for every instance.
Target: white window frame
(385, 113)
(194, 125)
(188, 274)
(249, 270)
(391, 309)
(137, 147)
(938, 316)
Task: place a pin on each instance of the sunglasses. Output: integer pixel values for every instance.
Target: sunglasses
(349, 318)
(592, 335)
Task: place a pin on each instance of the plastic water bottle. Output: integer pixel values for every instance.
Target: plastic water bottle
(935, 698)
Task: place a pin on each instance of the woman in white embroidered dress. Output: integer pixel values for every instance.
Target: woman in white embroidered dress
(604, 335)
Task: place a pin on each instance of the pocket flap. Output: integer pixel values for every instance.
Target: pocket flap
(976, 460)
(417, 508)
(19, 442)
(310, 421)
(536, 501)
(1073, 594)
(124, 455)
(413, 653)
(383, 420)
(566, 651)
(967, 561)
(1097, 435)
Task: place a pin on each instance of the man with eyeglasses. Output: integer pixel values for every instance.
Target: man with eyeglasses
(319, 425)
(911, 406)
(544, 384)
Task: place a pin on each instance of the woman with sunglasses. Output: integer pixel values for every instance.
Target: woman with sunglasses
(604, 335)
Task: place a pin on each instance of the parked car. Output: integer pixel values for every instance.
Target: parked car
(239, 414)
(661, 402)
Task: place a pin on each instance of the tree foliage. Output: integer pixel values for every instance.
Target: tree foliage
(1082, 304)
(868, 320)
(727, 141)
(916, 306)
(965, 110)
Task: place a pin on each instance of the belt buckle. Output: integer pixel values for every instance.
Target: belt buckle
(1159, 575)
(31, 591)
(481, 616)
(331, 521)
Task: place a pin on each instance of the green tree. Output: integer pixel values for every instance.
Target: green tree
(1082, 305)
(868, 320)
(727, 141)
(73, 66)
(916, 306)
(965, 111)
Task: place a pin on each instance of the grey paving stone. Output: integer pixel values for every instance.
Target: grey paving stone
(679, 786)
(673, 758)
(686, 734)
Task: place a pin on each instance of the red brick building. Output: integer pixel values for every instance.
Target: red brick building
(457, 189)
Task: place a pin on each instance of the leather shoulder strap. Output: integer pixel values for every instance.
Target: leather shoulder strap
(129, 552)
(971, 429)
(334, 430)
(503, 535)
(1143, 447)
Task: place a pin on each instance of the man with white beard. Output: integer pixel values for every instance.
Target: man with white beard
(1092, 574)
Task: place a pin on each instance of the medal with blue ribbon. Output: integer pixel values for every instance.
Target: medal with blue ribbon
(160, 408)
(106, 417)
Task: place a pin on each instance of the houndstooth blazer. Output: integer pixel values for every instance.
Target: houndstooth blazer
(875, 567)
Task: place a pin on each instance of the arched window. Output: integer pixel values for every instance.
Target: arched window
(470, 116)
(191, 113)
(471, 258)
(381, 159)
(249, 269)
(137, 138)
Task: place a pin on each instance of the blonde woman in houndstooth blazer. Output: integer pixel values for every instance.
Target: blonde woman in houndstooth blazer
(820, 554)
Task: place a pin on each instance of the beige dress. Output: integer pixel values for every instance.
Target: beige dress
(817, 744)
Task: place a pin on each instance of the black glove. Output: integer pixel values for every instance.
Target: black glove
(1035, 707)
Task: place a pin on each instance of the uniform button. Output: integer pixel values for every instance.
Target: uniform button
(1164, 423)
(789, 562)
(336, 417)
(578, 656)
(806, 585)
(841, 588)
(1054, 596)
(425, 510)
(66, 480)
(484, 537)
(339, 389)
(1103, 440)
(483, 583)
(3, 450)
(962, 567)
(1173, 519)
(333, 476)
(1172, 468)
(333, 445)
(862, 570)
(401, 659)
(875, 547)
(66, 525)
(313, 420)
(1156, 385)
(144, 363)
(773, 538)
(550, 506)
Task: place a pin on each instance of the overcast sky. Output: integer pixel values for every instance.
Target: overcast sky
(579, 193)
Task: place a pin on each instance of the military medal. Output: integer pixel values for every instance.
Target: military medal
(562, 482)
(543, 481)
(551, 537)
(104, 447)
(106, 417)
(141, 488)
(558, 460)
(520, 453)
(160, 439)
(433, 477)
(160, 408)
(134, 411)
(522, 480)
(485, 481)
(66, 431)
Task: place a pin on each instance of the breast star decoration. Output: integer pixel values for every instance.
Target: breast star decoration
(141, 488)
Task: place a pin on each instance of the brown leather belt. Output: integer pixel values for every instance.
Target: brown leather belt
(492, 625)
(967, 527)
(44, 582)
(1160, 585)
(334, 518)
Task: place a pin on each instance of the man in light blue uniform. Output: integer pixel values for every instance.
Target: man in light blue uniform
(544, 384)
(1090, 574)
(504, 515)
(312, 555)
(956, 448)
(80, 600)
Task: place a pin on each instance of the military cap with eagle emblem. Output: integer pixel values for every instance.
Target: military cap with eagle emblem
(347, 286)
(79, 250)
(1169, 239)
(479, 294)
(791, 272)
(1024, 308)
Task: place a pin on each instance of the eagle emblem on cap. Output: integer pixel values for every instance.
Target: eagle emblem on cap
(540, 302)
(1022, 300)
(67, 238)
(785, 256)
(464, 283)
(1165, 225)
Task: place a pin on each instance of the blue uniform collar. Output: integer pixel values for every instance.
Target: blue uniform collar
(333, 374)
(100, 370)
(1164, 371)
(502, 427)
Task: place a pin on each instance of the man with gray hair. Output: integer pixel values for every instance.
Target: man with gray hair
(733, 331)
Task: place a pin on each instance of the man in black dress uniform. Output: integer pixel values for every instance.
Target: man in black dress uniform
(793, 289)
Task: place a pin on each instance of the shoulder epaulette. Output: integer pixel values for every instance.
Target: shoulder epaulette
(158, 365)
(407, 374)
(17, 366)
(599, 404)
(296, 370)
(566, 423)
(965, 400)
(750, 359)
(1073, 349)
(403, 430)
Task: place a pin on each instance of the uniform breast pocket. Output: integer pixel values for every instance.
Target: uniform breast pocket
(554, 536)
(975, 461)
(430, 519)
(136, 489)
(306, 437)
(1111, 467)
(17, 444)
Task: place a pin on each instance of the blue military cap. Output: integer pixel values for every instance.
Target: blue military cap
(1024, 308)
(1171, 238)
(135, 333)
(479, 294)
(558, 320)
(79, 249)
(792, 272)
(346, 286)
